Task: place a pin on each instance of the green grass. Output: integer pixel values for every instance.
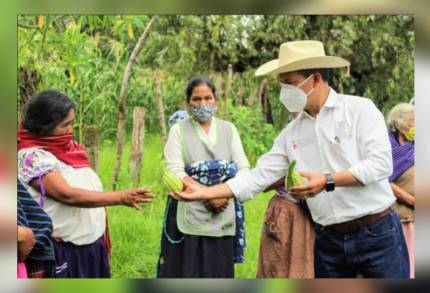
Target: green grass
(136, 234)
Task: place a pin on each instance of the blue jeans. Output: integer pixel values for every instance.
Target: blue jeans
(375, 251)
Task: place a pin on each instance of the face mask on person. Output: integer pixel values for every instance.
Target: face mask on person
(410, 135)
(293, 97)
(203, 113)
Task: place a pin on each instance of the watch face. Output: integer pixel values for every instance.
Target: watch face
(330, 183)
(329, 187)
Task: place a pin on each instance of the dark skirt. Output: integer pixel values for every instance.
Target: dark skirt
(37, 269)
(189, 256)
(81, 261)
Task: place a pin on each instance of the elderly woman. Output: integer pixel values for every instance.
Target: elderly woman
(56, 172)
(401, 124)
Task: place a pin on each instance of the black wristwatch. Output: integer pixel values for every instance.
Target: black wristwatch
(329, 186)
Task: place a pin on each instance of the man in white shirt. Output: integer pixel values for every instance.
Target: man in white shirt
(341, 145)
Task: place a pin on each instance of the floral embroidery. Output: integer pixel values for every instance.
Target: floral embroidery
(35, 162)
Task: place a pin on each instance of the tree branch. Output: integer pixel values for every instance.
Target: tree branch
(27, 26)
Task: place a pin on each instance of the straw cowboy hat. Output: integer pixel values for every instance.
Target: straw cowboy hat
(298, 55)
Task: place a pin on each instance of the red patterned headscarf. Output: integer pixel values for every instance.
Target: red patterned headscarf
(63, 147)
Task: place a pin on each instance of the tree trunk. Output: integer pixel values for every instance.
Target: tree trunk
(267, 111)
(91, 143)
(137, 145)
(264, 103)
(260, 95)
(269, 115)
(160, 107)
(28, 82)
(218, 87)
(81, 112)
(228, 90)
(121, 104)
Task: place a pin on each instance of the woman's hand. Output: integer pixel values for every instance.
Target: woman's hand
(189, 181)
(133, 197)
(403, 196)
(26, 242)
(216, 205)
(201, 192)
(192, 191)
(190, 185)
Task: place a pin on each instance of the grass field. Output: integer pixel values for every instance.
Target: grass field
(136, 234)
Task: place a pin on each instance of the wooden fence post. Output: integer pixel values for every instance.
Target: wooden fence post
(239, 95)
(252, 95)
(137, 145)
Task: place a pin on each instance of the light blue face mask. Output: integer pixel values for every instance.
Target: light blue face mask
(203, 113)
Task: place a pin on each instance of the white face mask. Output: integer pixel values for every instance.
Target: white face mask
(293, 97)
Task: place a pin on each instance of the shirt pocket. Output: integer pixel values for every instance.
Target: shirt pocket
(341, 148)
(301, 148)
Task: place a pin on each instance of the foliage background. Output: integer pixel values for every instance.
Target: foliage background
(85, 57)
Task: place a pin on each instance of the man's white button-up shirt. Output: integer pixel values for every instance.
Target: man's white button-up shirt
(348, 134)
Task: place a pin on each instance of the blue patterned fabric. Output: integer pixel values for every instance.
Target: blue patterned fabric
(203, 113)
(239, 238)
(31, 215)
(218, 171)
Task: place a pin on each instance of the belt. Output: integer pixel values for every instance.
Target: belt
(287, 197)
(354, 225)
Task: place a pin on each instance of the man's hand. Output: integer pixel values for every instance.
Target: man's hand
(201, 192)
(316, 183)
(216, 205)
(26, 242)
(192, 191)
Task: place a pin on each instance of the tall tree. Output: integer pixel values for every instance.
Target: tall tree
(122, 103)
(162, 119)
(228, 90)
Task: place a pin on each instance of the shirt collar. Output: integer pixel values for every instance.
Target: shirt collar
(331, 99)
(213, 126)
(331, 102)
